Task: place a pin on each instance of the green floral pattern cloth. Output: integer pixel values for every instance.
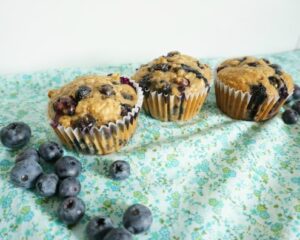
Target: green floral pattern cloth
(208, 178)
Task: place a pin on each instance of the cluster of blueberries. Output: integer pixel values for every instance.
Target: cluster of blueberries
(28, 173)
(291, 114)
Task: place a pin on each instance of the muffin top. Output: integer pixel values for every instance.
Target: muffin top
(174, 74)
(249, 74)
(92, 101)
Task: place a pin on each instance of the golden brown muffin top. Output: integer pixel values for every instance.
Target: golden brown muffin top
(247, 72)
(92, 101)
(174, 74)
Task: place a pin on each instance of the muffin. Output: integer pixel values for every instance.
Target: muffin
(95, 114)
(175, 86)
(252, 89)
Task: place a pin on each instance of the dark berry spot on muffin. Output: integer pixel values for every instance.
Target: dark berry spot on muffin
(164, 67)
(274, 81)
(196, 72)
(107, 90)
(65, 105)
(145, 82)
(110, 74)
(220, 68)
(173, 53)
(84, 124)
(82, 92)
(183, 84)
(276, 68)
(258, 97)
(125, 109)
(253, 64)
(127, 96)
(200, 65)
(266, 60)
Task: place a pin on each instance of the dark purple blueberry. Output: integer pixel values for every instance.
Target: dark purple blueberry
(259, 95)
(290, 116)
(46, 184)
(69, 187)
(29, 153)
(98, 227)
(275, 81)
(124, 80)
(296, 93)
(253, 64)
(200, 65)
(277, 68)
(266, 60)
(118, 234)
(166, 89)
(119, 170)
(164, 67)
(68, 166)
(137, 219)
(15, 135)
(127, 96)
(296, 106)
(25, 173)
(173, 53)
(84, 124)
(183, 84)
(71, 210)
(82, 92)
(107, 90)
(196, 72)
(51, 151)
(65, 106)
(220, 68)
(145, 82)
(125, 109)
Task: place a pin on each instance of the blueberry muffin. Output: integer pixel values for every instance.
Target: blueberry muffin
(252, 89)
(175, 86)
(95, 114)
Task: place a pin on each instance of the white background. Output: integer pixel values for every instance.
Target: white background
(42, 34)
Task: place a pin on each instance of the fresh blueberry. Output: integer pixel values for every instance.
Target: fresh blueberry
(118, 234)
(107, 90)
(51, 151)
(82, 92)
(46, 184)
(125, 109)
(296, 94)
(290, 116)
(71, 210)
(29, 153)
(68, 167)
(65, 106)
(296, 107)
(137, 218)
(84, 124)
(69, 187)
(25, 173)
(119, 170)
(15, 135)
(98, 227)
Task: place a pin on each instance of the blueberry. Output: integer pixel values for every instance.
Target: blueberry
(68, 167)
(296, 107)
(118, 234)
(98, 227)
(29, 153)
(173, 53)
(71, 210)
(107, 90)
(84, 124)
(51, 151)
(164, 67)
(137, 218)
(166, 89)
(69, 187)
(290, 116)
(119, 170)
(15, 135)
(252, 64)
(65, 105)
(82, 92)
(46, 184)
(127, 96)
(125, 109)
(25, 173)
(296, 93)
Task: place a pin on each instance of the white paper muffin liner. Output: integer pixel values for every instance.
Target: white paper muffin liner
(106, 139)
(234, 103)
(172, 107)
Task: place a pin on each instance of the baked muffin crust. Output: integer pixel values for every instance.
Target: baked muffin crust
(174, 74)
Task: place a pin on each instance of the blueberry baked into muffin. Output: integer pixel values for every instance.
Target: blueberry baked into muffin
(175, 86)
(251, 89)
(95, 114)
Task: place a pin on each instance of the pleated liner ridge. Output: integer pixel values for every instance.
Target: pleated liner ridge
(106, 139)
(234, 103)
(174, 108)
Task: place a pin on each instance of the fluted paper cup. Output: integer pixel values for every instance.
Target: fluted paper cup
(234, 103)
(106, 139)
